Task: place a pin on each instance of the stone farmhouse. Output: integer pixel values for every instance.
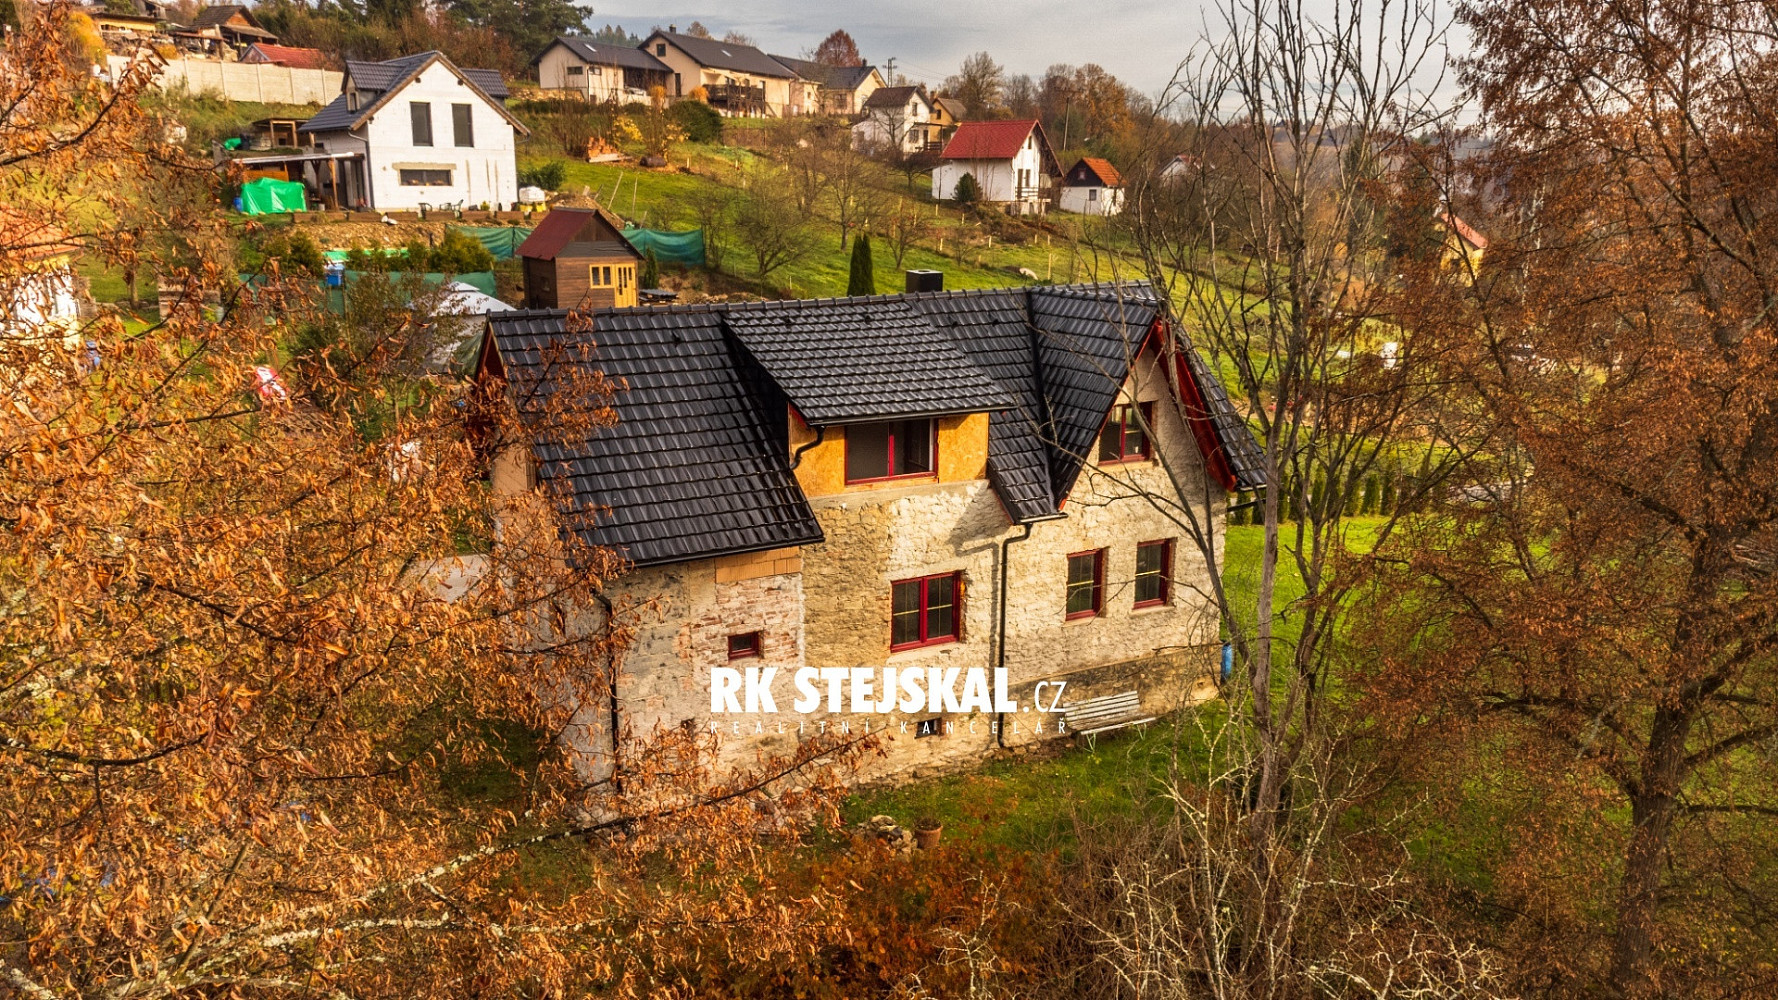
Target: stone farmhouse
(936, 480)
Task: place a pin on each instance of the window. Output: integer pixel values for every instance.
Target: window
(1124, 439)
(577, 71)
(1154, 573)
(934, 726)
(425, 178)
(598, 71)
(351, 100)
(1086, 576)
(422, 117)
(599, 276)
(923, 612)
(463, 124)
(742, 646)
(660, 48)
(1092, 194)
(895, 450)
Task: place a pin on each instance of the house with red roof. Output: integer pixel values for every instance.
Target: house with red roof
(1011, 162)
(289, 56)
(1092, 187)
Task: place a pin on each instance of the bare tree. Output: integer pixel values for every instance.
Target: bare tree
(980, 84)
(769, 225)
(1293, 125)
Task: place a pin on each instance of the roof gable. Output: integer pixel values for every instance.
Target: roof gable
(220, 14)
(894, 98)
(1091, 171)
(594, 52)
(989, 140)
(852, 360)
(563, 226)
(380, 81)
(724, 55)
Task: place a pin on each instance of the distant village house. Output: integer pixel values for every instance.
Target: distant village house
(599, 71)
(1011, 162)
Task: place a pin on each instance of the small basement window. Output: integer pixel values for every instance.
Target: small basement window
(425, 178)
(1154, 573)
(903, 449)
(1124, 438)
(934, 726)
(744, 645)
(923, 612)
(1086, 583)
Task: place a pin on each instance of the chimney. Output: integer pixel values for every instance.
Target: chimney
(672, 29)
(926, 281)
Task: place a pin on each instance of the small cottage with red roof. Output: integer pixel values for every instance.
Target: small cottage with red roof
(1011, 162)
(1092, 187)
(577, 258)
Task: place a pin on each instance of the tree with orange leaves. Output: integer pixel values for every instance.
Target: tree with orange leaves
(1599, 626)
(276, 717)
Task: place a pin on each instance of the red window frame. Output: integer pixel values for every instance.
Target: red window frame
(744, 645)
(925, 639)
(1098, 585)
(932, 451)
(1165, 572)
(1120, 418)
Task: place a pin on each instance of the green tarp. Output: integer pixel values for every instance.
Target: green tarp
(501, 241)
(268, 195)
(669, 248)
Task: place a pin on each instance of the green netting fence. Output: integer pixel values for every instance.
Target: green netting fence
(669, 248)
(501, 241)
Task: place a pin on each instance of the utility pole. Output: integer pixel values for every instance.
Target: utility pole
(889, 66)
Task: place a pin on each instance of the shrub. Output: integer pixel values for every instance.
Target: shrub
(651, 271)
(968, 192)
(863, 279)
(547, 175)
(297, 251)
(458, 253)
(699, 121)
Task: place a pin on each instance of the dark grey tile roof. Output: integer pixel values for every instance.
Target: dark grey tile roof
(697, 466)
(891, 97)
(332, 118)
(374, 79)
(726, 55)
(600, 53)
(489, 80)
(850, 360)
(693, 468)
(831, 77)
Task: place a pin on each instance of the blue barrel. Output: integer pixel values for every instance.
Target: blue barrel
(1228, 661)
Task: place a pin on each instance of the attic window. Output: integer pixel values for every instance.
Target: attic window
(351, 100)
(1125, 438)
(903, 449)
(660, 48)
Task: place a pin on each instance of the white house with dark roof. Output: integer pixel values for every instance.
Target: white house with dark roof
(943, 482)
(414, 132)
(897, 118)
(737, 79)
(599, 71)
(843, 89)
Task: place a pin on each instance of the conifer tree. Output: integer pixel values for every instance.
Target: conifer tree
(863, 281)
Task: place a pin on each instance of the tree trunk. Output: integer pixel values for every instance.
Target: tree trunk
(1652, 808)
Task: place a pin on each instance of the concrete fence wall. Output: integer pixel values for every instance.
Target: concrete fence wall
(259, 82)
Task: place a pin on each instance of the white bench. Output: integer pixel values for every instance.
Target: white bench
(1092, 716)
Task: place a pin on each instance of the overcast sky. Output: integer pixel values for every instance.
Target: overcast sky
(1139, 41)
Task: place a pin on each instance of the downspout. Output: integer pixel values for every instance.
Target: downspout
(611, 684)
(796, 456)
(1000, 631)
